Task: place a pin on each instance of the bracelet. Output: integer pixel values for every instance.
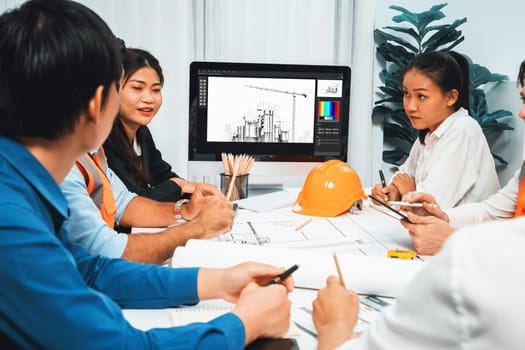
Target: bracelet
(178, 210)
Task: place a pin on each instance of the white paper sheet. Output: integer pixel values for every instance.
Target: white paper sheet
(363, 274)
(269, 201)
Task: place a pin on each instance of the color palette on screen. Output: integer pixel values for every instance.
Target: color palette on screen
(328, 110)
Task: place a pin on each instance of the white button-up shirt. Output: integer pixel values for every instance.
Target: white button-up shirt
(470, 296)
(501, 205)
(455, 164)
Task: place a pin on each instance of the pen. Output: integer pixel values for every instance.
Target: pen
(413, 205)
(382, 177)
(339, 271)
(283, 275)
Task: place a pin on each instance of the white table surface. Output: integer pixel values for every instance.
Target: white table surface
(147, 318)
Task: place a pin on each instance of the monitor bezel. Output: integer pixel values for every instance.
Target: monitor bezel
(199, 149)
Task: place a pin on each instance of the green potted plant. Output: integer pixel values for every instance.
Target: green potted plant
(396, 47)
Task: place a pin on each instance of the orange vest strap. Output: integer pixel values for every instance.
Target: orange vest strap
(88, 177)
(520, 201)
(98, 186)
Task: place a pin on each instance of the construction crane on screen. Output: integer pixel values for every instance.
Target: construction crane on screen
(294, 95)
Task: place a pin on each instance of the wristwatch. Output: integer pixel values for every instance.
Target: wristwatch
(178, 210)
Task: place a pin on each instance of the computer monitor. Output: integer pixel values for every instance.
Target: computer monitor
(277, 113)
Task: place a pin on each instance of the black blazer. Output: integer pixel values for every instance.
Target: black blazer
(160, 188)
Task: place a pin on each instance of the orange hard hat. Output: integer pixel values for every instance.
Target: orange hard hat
(330, 189)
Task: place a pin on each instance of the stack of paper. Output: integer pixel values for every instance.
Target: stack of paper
(269, 201)
(363, 274)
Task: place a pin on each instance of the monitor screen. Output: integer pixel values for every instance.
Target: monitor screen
(274, 112)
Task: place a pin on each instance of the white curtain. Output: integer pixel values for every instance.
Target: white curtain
(178, 32)
(181, 31)
(165, 28)
(275, 31)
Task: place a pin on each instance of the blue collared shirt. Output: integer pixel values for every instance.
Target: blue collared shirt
(85, 224)
(55, 295)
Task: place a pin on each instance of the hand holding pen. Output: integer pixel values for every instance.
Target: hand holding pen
(280, 278)
(383, 191)
(264, 311)
(423, 204)
(228, 283)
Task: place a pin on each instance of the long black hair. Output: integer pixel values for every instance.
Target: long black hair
(521, 74)
(133, 60)
(447, 69)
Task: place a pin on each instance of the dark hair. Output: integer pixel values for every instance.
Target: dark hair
(135, 59)
(53, 56)
(449, 70)
(521, 74)
(118, 141)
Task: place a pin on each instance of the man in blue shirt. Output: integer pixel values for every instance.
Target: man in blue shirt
(59, 69)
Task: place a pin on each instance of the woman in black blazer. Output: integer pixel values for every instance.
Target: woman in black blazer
(130, 148)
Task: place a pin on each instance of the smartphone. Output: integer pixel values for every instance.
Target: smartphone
(403, 216)
(273, 344)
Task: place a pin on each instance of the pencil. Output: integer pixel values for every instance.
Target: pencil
(232, 181)
(303, 224)
(339, 271)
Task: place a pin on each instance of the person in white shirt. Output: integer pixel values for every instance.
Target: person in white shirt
(451, 157)
(470, 296)
(430, 226)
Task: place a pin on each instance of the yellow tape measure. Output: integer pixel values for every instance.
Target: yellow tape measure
(402, 254)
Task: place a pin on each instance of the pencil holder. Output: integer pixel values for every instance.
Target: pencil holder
(240, 186)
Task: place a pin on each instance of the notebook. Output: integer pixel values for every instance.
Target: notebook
(186, 315)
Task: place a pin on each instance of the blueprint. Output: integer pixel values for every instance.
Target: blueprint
(367, 232)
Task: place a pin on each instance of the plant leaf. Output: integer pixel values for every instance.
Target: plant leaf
(480, 75)
(500, 113)
(408, 31)
(396, 156)
(500, 160)
(381, 37)
(495, 127)
(441, 27)
(381, 112)
(478, 103)
(394, 130)
(454, 44)
(396, 51)
(393, 92)
(441, 38)
(395, 54)
(418, 20)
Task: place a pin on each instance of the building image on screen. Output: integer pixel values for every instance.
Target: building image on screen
(288, 117)
(264, 110)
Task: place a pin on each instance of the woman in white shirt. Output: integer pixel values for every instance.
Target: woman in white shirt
(451, 157)
(430, 226)
(470, 296)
